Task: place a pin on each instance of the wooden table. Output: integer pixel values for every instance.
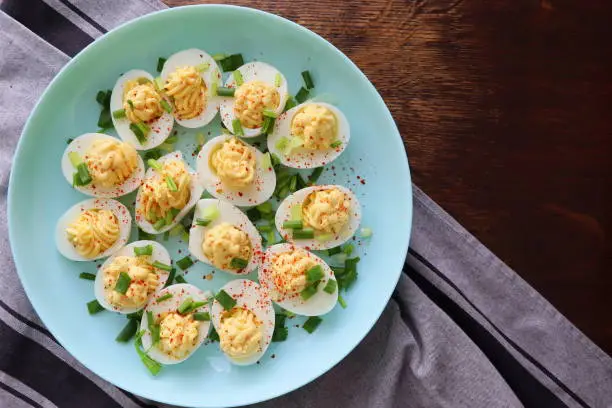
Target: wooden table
(504, 107)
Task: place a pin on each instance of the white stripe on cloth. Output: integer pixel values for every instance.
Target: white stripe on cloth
(23, 389)
(111, 14)
(74, 18)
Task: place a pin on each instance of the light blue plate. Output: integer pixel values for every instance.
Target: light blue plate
(39, 194)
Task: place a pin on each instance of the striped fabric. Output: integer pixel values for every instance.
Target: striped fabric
(461, 330)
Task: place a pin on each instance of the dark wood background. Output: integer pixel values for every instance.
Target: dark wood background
(504, 107)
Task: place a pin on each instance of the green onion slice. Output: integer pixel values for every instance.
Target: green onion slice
(223, 91)
(119, 113)
(201, 316)
(309, 291)
(293, 224)
(296, 212)
(202, 222)
(171, 184)
(270, 113)
(366, 232)
(203, 67)
(266, 161)
(289, 104)
(83, 174)
(140, 130)
(278, 80)
(154, 164)
(162, 266)
(159, 84)
(159, 224)
(280, 334)
(238, 263)
(145, 250)
(180, 279)
(185, 305)
(87, 276)
(314, 274)
(170, 278)
(160, 64)
(128, 331)
(231, 63)
(265, 207)
(218, 57)
(94, 307)
(237, 77)
(302, 95)
(226, 301)
(348, 249)
(123, 283)
(166, 106)
(316, 173)
(164, 297)
(341, 301)
(335, 144)
(307, 80)
(210, 213)
(324, 237)
(184, 263)
(237, 127)
(306, 233)
(312, 323)
(330, 287)
(268, 125)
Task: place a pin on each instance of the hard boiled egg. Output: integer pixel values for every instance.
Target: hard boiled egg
(284, 274)
(330, 213)
(230, 235)
(102, 288)
(115, 167)
(309, 135)
(95, 239)
(245, 329)
(182, 328)
(159, 121)
(206, 67)
(262, 84)
(153, 176)
(231, 169)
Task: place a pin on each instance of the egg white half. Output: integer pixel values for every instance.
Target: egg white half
(121, 212)
(180, 292)
(301, 158)
(195, 57)
(232, 215)
(160, 254)
(258, 192)
(249, 295)
(253, 71)
(319, 304)
(160, 127)
(196, 192)
(284, 214)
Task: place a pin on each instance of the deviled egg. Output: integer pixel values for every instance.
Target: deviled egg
(319, 217)
(298, 280)
(223, 236)
(100, 165)
(258, 87)
(141, 115)
(231, 169)
(190, 79)
(127, 280)
(309, 135)
(180, 321)
(93, 229)
(243, 316)
(170, 189)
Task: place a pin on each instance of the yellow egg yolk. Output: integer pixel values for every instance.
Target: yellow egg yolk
(93, 232)
(157, 197)
(188, 91)
(251, 98)
(178, 335)
(240, 333)
(326, 211)
(144, 281)
(141, 101)
(110, 162)
(234, 163)
(289, 271)
(224, 242)
(315, 125)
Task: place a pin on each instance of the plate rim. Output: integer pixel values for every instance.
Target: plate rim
(404, 170)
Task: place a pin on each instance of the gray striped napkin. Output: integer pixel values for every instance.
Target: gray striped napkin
(461, 330)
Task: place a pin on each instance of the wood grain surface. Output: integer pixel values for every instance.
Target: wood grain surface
(504, 108)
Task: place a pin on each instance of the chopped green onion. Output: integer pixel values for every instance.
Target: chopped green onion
(265, 207)
(223, 91)
(339, 258)
(161, 223)
(289, 314)
(324, 237)
(162, 266)
(153, 366)
(280, 334)
(94, 307)
(312, 323)
(143, 81)
(278, 79)
(218, 57)
(275, 160)
(83, 174)
(201, 316)
(170, 278)
(160, 64)
(302, 95)
(213, 87)
(202, 222)
(253, 214)
(314, 274)
(226, 301)
(101, 97)
(123, 283)
(169, 216)
(213, 335)
(309, 291)
(366, 232)
(266, 161)
(145, 250)
(87, 276)
(104, 120)
(69, 140)
(185, 305)
(210, 213)
(159, 84)
(238, 263)
(200, 138)
(289, 104)
(270, 113)
(334, 250)
(237, 127)
(165, 105)
(284, 192)
(267, 216)
(135, 315)
(193, 306)
(128, 331)
(341, 301)
(293, 183)
(335, 144)
(271, 238)
(144, 235)
(264, 228)
(237, 77)
(166, 235)
(316, 173)
(348, 249)
(279, 320)
(184, 263)
(130, 103)
(282, 144)
(153, 328)
(330, 287)
(231, 63)
(293, 224)
(119, 113)
(306, 233)
(154, 164)
(268, 125)
(307, 80)
(177, 230)
(180, 279)
(171, 184)
(140, 130)
(152, 154)
(296, 212)
(164, 297)
(203, 67)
